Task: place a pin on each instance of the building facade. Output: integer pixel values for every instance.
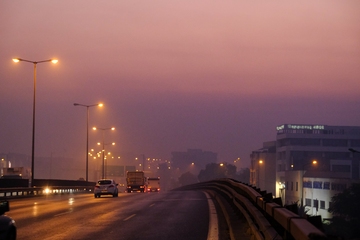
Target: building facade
(263, 168)
(313, 163)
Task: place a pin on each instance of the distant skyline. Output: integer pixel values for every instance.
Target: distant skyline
(175, 75)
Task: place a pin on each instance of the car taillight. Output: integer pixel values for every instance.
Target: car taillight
(97, 186)
(111, 186)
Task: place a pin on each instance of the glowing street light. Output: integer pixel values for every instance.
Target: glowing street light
(257, 173)
(103, 147)
(34, 100)
(87, 134)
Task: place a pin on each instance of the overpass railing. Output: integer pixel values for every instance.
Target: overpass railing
(17, 188)
(266, 216)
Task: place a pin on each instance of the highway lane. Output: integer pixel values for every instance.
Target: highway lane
(166, 215)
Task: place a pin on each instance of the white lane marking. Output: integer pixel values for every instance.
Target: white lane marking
(152, 205)
(213, 233)
(129, 217)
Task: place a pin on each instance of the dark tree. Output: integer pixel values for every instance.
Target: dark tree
(216, 171)
(243, 175)
(346, 204)
(346, 213)
(187, 179)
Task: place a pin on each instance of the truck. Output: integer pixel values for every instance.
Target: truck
(136, 181)
(153, 184)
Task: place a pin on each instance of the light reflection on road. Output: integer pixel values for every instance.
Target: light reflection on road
(35, 209)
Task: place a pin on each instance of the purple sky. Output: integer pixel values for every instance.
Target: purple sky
(173, 75)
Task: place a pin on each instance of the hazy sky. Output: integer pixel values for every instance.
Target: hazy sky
(174, 75)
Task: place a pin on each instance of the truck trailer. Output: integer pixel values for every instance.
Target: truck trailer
(136, 181)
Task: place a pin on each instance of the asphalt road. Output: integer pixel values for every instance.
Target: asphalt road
(167, 215)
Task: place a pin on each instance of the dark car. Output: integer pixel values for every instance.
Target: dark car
(7, 224)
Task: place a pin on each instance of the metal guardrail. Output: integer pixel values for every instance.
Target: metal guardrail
(17, 188)
(6, 193)
(267, 219)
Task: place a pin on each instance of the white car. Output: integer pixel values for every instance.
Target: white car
(106, 187)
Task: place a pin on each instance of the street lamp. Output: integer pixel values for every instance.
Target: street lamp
(87, 133)
(33, 126)
(314, 162)
(258, 174)
(103, 147)
(105, 158)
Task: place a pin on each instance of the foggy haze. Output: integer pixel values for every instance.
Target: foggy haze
(175, 75)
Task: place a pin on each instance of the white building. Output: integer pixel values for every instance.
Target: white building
(316, 157)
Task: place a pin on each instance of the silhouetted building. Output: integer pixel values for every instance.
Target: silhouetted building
(193, 160)
(263, 167)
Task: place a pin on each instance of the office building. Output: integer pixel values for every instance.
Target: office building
(318, 158)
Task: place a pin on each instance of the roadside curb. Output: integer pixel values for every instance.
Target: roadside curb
(236, 222)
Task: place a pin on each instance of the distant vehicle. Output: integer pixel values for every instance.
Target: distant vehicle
(7, 224)
(153, 184)
(136, 181)
(106, 187)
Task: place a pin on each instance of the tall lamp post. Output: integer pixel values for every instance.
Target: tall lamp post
(260, 163)
(33, 125)
(103, 148)
(314, 162)
(104, 158)
(87, 134)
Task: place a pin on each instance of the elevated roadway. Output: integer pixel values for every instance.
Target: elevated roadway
(168, 215)
(241, 209)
